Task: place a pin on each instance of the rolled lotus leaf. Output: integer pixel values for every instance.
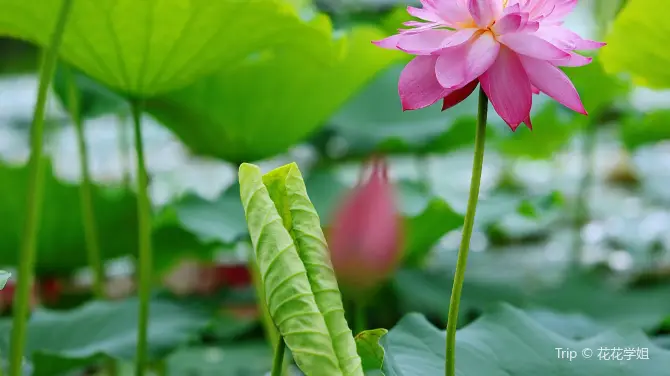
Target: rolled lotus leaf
(293, 259)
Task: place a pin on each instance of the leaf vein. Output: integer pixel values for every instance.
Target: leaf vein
(298, 314)
(280, 284)
(291, 298)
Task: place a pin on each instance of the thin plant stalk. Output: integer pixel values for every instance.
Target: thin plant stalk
(85, 192)
(145, 254)
(34, 196)
(94, 254)
(459, 277)
(278, 362)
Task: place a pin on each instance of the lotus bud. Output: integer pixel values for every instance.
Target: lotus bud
(365, 237)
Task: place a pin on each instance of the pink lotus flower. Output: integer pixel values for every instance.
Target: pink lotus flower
(513, 48)
(365, 236)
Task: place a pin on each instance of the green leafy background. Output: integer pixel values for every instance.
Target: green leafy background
(571, 236)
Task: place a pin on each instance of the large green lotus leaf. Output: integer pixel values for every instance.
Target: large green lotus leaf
(582, 294)
(153, 46)
(262, 106)
(93, 99)
(570, 325)
(299, 282)
(60, 341)
(506, 342)
(637, 43)
(643, 306)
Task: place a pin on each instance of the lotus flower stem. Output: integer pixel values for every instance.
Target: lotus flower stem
(459, 277)
(278, 362)
(145, 256)
(34, 196)
(88, 213)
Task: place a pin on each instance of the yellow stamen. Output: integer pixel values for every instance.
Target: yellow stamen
(467, 24)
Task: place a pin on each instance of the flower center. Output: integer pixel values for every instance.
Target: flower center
(481, 32)
(488, 30)
(470, 24)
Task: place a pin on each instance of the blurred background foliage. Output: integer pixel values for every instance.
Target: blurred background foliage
(572, 225)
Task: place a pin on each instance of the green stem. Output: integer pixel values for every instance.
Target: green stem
(459, 277)
(145, 257)
(85, 194)
(34, 197)
(278, 362)
(360, 318)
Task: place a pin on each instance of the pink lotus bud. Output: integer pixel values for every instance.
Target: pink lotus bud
(365, 236)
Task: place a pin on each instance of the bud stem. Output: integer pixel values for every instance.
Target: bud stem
(95, 261)
(459, 277)
(278, 362)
